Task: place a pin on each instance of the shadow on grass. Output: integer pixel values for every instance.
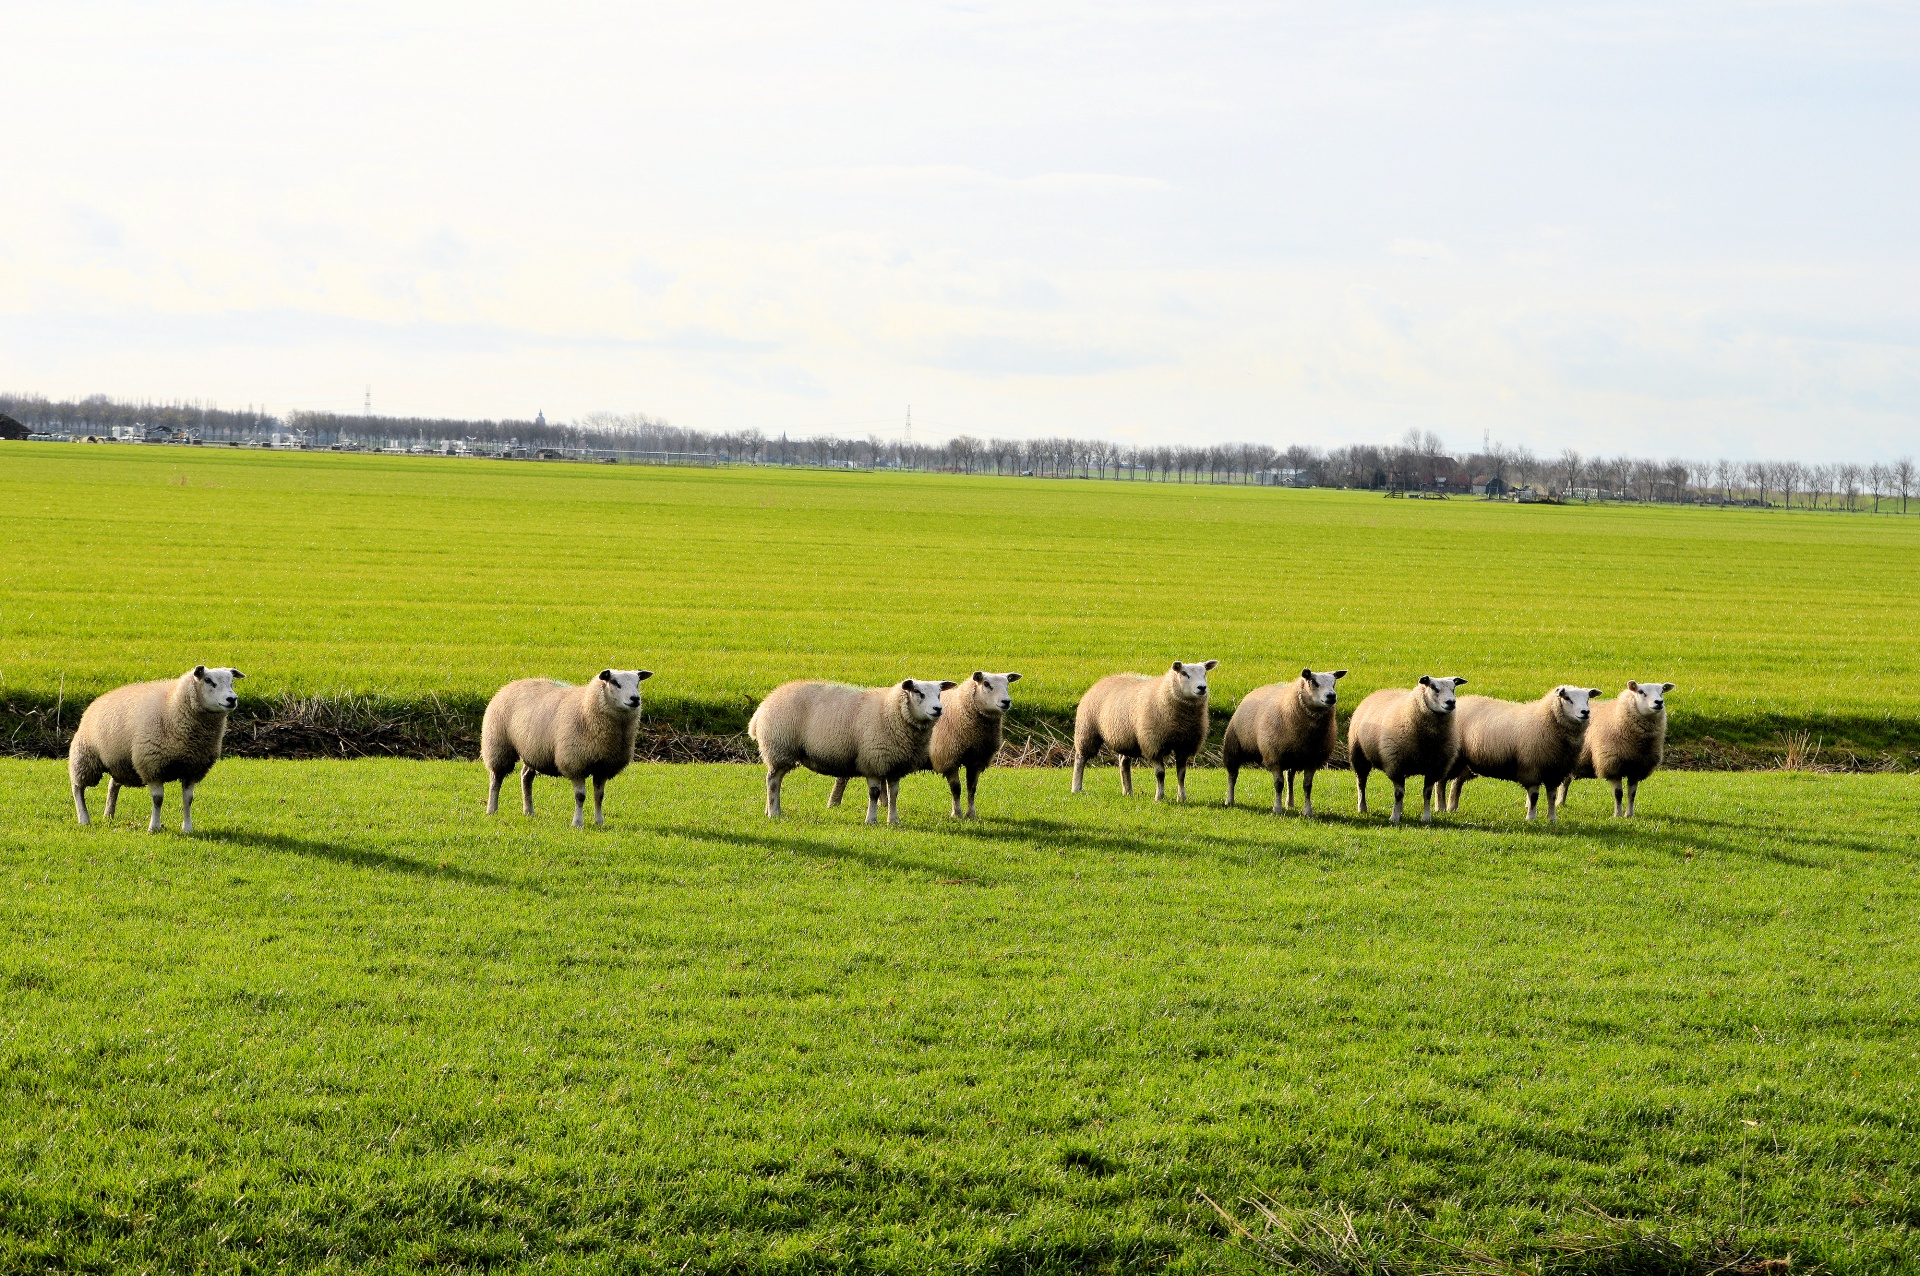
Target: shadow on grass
(820, 850)
(1031, 830)
(353, 856)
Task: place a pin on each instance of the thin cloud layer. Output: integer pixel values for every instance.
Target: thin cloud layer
(1675, 228)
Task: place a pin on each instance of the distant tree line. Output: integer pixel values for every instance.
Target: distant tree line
(1419, 462)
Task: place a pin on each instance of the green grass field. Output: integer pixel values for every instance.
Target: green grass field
(355, 1025)
(402, 577)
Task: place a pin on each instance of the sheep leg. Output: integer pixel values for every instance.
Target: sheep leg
(494, 780)
(839, 791)
(1233, 778)
(1289, 790)
(953, 786)
(526, 790)
(1452, 803)
(599, 794)
(1159, 781)
(1399, 801)
(1616, 800)
(1180, 778)
(1079, 772)
(1126, 777)
(1533, 801)
(774, 776)
(1553, 806)
(973, 786)
(874, 790)
(113, 797)
(1306, 793)
(893, 801)
(579, 803)
(186, 808)
(1360, 777)
(1426, 798)
(1633, 793)
(80, 806)
(159, 792)
(1279, 792)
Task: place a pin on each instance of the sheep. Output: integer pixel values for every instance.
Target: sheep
(153, 733)
(1284, 727)
(968, 733)
(877, 733)
(1152, 719)
(1625, 741)
(1535, 745)
(555, 728)
(1405, 733)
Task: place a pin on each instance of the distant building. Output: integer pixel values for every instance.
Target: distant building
(1488, 485)
(12, 429)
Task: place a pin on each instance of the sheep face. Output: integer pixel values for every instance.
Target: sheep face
(214, 689)
(1192, 682)
(1318, 689)
(1649, 697)
(1575, 703)
(991, 694)
(1439, 694)
(923, 698)
(621, 687)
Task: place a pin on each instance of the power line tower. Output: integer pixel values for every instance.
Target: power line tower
(909, 434)
(366, 404)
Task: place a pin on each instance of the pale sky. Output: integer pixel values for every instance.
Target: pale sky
(1670, 228)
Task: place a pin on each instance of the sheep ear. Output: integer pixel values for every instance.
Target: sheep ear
(948, 686)
(1307, 674)
(1425, 681)
(1339, 674)
(641, 675)
(1632, 685)
(1563, 694)
(1013, 677)
(906, 684)
(978, 676)
(1178, 667)
(1459, 682)
(237, 675)
(1665, 687)
(1594, 691)
(199, 671)
(606, 675)
(1213, 664)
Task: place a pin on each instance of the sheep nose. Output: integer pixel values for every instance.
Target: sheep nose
(633, 702)
(1006, 704)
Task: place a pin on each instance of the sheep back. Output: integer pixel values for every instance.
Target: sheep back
(556, 728)
(1280, 728)
(1531, 744)
(841, 731)
(1138, 716)
(146, 733)
(1397, 734)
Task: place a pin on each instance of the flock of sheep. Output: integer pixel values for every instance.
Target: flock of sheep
(159, 733)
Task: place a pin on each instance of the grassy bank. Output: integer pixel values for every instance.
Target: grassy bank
(356, 1025)
(413, 583)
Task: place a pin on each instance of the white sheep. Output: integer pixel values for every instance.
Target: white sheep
(1284, 728)
(555, 728)
(1535, 744)
(156, 734)
(1405, 733)
(968, 733)
(1152, 719)
(1626, 741)
(877, 733)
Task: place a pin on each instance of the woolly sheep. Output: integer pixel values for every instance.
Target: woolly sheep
(1152, 719)
(968, 733)
(1405, 733)
(1535, 744)
(156, 734)
(1284, 727)
(1625, 741)
(877, 733)
(555, 728)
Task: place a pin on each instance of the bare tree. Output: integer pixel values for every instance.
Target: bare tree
(1903, 479)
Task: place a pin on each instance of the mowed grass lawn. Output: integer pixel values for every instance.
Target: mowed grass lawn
(401, 577)
(354, 1024)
